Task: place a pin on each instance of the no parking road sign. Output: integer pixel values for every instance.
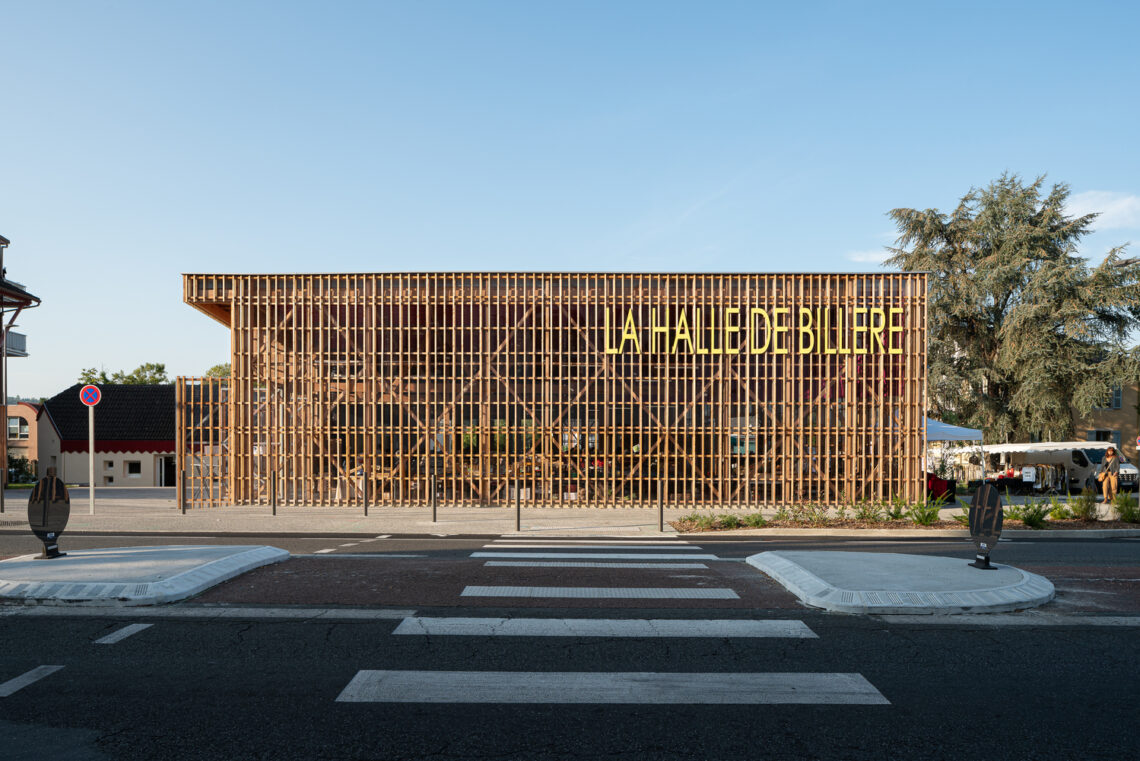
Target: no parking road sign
(90, 395)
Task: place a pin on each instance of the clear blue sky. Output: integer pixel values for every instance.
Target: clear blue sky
(140, 140)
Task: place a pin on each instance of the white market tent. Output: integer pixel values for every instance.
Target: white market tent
(936, 430)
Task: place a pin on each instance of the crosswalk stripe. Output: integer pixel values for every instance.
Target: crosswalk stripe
(614, 687)
(122, 634)
(591, 556)
(587, 564)
(605, 593)
(603, 627)
(13, 685)
(688, 548)
(571, 542)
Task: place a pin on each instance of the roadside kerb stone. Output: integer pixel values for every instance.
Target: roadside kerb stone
(892, 583)
(128, 576)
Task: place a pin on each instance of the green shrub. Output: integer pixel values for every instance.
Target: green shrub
(730, 521)
(924, 514)
(755, 520)
(1084, 506)
(810, 513)
(963, 518)
(1059, 511)
(868, 511)
(1033, 514)
(897, 509)
(1014, 512)
(841, 511)
(1127, 508)
(782, 514)
(705, 522)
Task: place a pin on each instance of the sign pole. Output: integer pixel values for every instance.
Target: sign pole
(91, 459)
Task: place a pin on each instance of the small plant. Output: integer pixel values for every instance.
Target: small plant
(1033, 514)
(897, 509)
(1014, 512)
(729, 521)
(782, 515)
(868, 511)
(705, 522)
(755, 520)
(1127, 508)
(841, 512)
(1084, 506)
(925, 514)
(1059, 511)
(963, 518)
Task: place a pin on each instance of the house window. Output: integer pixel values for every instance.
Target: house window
(17, 428)
(1104, 435)
(108, 464)
(1114, 401)
(133, 467)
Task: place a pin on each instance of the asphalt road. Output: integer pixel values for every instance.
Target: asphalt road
(266, 686)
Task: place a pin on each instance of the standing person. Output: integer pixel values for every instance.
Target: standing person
(1109, 474)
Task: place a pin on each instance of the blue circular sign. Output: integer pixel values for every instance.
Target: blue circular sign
(90, 395)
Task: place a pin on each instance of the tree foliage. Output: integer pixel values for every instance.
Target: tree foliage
(1022, 330)
(219, 371)
(148, 373)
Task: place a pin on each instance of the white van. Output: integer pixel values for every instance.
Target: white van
(1081, 459)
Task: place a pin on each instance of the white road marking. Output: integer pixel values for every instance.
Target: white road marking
(585, 547)
(383, 536)
(589, 556)
(603, 627)
(219, 613)
(22, 681)
(122, 634)
(321, 552)
(1013, 619)
(371, 555)
(632, 540)
(588, 564)
(605, 593)
(350, 544)
(620, 687)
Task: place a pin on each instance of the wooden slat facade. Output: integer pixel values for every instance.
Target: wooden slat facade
(574, 388)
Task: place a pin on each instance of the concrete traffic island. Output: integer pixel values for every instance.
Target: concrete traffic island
(125, 576)
(886, 583)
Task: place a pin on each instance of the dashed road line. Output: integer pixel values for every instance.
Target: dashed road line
(638, 542)
(13, 685)
(604, 593)
(588, 564)
(615, 687)
(603, 627)
(546, 546)
(590, 556)
(122, 634)
(322, 552)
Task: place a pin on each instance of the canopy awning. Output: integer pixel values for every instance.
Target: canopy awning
(936, 430)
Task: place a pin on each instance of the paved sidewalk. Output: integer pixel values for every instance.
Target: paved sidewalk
(891, 583)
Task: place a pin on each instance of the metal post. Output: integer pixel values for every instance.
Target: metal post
(182, 491)
(518, 507)
(91, 459)
(364, 489)
(273, 492)
(660, 509)
(433, 501)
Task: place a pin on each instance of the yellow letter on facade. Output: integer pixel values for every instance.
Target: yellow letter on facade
(806, 332)
(894, 329)
(753, 329)
(877, 330)
(606, 333)
(630, 333)
(778, 328)
(682, 331)
(731, 327)
(654, 330)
